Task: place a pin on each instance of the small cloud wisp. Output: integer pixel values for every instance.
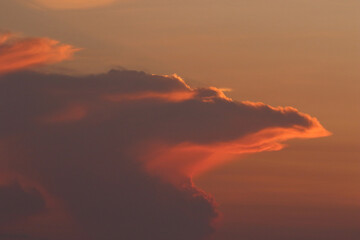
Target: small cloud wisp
(20, 53)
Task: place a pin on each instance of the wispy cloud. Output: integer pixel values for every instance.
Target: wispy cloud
(19, 52)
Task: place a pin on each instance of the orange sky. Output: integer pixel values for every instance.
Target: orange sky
(299, 53)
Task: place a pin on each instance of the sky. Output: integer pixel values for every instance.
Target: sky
(94, 113)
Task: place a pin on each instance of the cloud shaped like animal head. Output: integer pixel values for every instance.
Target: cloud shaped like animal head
(117, 150)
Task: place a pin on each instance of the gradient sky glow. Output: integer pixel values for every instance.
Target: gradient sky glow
(69, 4)
(299, 53)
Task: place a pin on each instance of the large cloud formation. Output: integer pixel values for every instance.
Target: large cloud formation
(111, 156)
(19, 52)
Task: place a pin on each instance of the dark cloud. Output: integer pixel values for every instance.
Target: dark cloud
(16, 203)
(117, 150)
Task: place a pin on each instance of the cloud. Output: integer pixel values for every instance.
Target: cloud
(16, 202)
(70, 4)
(19, 53)
(117, 151)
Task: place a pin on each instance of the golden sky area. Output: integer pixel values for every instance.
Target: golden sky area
(69, 4)
(300, 53)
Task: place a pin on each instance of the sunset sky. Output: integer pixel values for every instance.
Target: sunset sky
(181, 120)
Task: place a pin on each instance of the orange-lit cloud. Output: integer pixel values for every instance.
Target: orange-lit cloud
(70, 4)
(118, 150)
(168, 161)
(19, 53)
(172, 96)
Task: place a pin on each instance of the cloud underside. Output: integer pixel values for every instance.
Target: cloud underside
(112, 155)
